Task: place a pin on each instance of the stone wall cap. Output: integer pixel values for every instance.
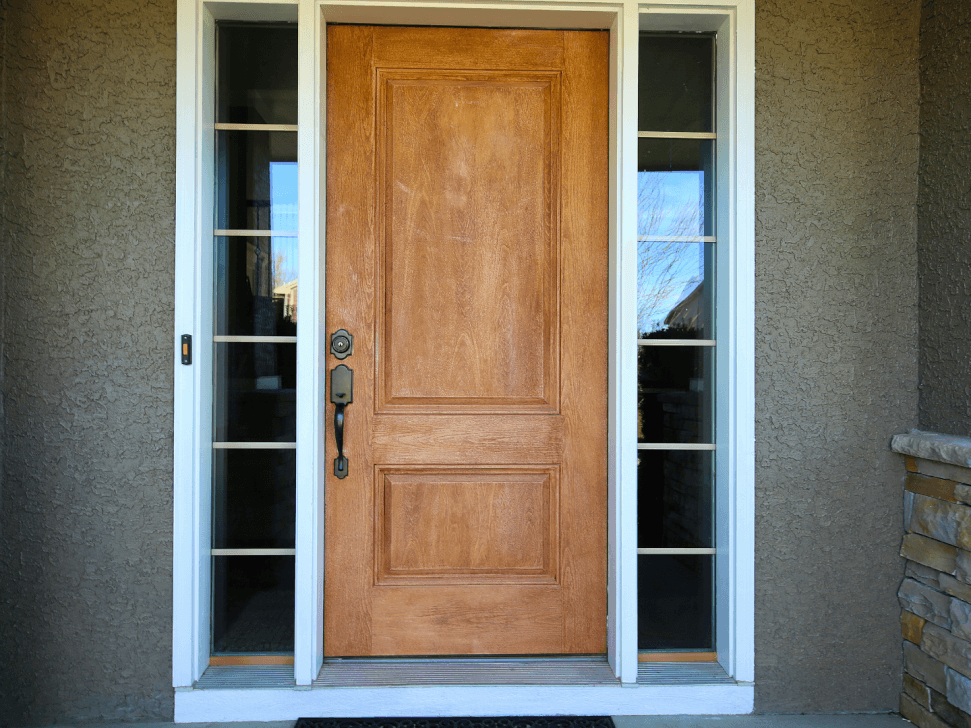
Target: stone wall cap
(934, 446)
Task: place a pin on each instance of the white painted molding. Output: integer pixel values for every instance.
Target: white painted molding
(311, 362)
(734, 21)
(184, 576)
(622, 408)
(210, 706)
(741, 591)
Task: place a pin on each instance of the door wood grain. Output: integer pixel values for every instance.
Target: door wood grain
(467, 253)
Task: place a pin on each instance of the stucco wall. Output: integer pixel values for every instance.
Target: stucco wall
(88, 260)
(88, 231)
(836, 356)
(944, 217)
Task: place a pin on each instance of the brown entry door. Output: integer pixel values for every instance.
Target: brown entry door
(467, 255)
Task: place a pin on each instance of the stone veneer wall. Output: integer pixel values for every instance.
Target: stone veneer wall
(935, 595)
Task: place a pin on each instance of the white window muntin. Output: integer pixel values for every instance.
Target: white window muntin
(734, 24)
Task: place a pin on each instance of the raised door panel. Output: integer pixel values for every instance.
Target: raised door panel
(439, 525)
(468, 241)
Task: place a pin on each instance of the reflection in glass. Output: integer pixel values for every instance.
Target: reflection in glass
(255, 295)
(256, 188)
(254, 499)
(674, 394)
(674, 288)
(257, 74)
(676, 300)
(256, 286)
(675, 492)
(675, 602)
(676, 82)
(674, 187)
(252, 605)
(255, 392)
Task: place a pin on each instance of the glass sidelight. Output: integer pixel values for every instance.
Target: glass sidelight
(676, 345)
(254, 343)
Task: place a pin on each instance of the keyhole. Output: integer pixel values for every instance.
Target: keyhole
(341, 343)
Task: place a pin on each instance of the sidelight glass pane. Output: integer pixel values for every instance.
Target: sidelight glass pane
(677, 252)
(255, 392)
(675, 289)
(255, 499)
(675, 499)
(675, 187)
(675, 602)
(257, 184)
(252, 606)
(675, 394)
(256, 286)
(257, 74)
(676, 83)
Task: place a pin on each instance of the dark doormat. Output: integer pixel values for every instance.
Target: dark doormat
(555, 721)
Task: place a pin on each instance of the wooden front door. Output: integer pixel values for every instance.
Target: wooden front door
(467, 255)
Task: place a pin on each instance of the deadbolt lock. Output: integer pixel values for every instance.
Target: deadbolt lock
(341, 344)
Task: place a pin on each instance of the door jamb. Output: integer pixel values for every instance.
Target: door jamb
(618, 19)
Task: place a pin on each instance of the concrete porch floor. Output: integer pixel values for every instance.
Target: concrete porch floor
(817, 720)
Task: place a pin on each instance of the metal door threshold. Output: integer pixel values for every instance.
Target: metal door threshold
(455, 671)
(246, 677)
(682, 673)
(396, 672)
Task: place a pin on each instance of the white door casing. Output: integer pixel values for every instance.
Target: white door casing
(733, 21)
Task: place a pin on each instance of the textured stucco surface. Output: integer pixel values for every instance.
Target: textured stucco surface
(944, 217)
(88, 259)
(836, 345)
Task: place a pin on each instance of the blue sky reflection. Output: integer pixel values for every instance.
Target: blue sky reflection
(283, 216)
(670, 204)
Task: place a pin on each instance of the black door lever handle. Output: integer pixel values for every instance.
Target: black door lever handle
(341, 395)
(340, 462)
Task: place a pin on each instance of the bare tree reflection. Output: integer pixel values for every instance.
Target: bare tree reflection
(662, 263)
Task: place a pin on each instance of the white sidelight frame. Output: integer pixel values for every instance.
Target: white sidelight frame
(733, 21)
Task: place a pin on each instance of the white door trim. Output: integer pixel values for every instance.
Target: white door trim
(734, 22)
(212, 706)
